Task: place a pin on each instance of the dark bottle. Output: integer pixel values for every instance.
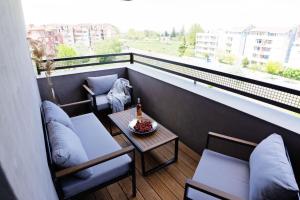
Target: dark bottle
(139, 110)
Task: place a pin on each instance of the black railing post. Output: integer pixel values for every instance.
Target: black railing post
(131, 58)
(38, 69)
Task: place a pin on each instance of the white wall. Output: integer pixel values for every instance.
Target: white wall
(22, 149)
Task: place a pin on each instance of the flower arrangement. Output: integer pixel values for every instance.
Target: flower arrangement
(43, 61)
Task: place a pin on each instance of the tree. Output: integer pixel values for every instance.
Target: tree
(245, 62)
(173, 33)
(182, 47)
(166, 34)
(135, 35)
(191, 36)
(82, 50)
(151, 34)
(206, 56)
(107, 47)
(65, 51)
(182, 32)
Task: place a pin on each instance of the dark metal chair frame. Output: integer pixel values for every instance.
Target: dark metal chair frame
(90, 92)
(58, 174)
(210, 190)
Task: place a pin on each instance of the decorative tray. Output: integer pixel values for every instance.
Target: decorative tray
(144, 127)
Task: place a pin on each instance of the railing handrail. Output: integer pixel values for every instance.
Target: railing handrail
(90, 56)
(281, 102)
(233, 76)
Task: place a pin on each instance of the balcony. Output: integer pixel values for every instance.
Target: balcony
(187, 99)
(190, 101)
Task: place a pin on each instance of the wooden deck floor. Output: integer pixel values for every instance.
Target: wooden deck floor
(167, 183)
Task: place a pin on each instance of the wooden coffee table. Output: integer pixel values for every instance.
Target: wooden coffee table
(147, 143)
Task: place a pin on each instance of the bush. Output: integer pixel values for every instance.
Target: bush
(274, 67)
(227, 59)
(108, 46)
(245, 62)
(256, 67)
(291, 73)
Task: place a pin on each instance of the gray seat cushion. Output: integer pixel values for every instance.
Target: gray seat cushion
(271, 174)
(102, 102)
(101, 84)
(222, 172)
(97, 142)
(55, 113)
(67, 150)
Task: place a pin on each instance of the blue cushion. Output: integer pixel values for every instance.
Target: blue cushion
(96, 141)
(67, 150)
(101, 84)
(102, 102)
(225, 173)
(55, 113)
(271, 174)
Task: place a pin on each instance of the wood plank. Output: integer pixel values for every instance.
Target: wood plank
(167, 183)
(164, 184)
(127, 188)
(102, 194)
(174, 170)
(143, 186)
(184, 148)
(187, 170)
(116, 192)
(165, 188)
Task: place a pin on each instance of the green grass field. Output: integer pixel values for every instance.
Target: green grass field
(170, 47)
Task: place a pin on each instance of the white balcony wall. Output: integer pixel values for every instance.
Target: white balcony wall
(22, 148)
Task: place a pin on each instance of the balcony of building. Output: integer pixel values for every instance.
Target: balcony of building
(187, 99)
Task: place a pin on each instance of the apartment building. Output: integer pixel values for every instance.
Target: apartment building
(49, 34)
(264, 44)
(207, 44)
(86, 34)
(294, 58)
(259, 45)
(66, 31)
(233, 41)
(101, 31)
(215, 43)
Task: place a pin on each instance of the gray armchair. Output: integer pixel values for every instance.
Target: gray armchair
(220, 176)
(97, 89)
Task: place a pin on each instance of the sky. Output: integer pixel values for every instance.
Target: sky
(161, 15)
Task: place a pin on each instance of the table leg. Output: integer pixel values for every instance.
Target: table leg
(162, 165)
(176, 150)
(143, 164)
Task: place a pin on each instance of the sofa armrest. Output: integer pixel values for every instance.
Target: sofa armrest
(229, 138)
(88, 90)
(208, 190)
(96, 161)
(75, 103)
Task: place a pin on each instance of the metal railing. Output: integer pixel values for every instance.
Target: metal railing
(280, 96)
(84, 61)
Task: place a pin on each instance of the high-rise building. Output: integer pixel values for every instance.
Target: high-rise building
(207, 44)
(264, 44)
(233, 41)
(86, 34)
(259, 45)
(294, 58)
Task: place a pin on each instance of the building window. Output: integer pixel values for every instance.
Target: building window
(257, 48)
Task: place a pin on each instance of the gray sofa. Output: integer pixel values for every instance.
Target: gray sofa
(267, 175)
(107, 160)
